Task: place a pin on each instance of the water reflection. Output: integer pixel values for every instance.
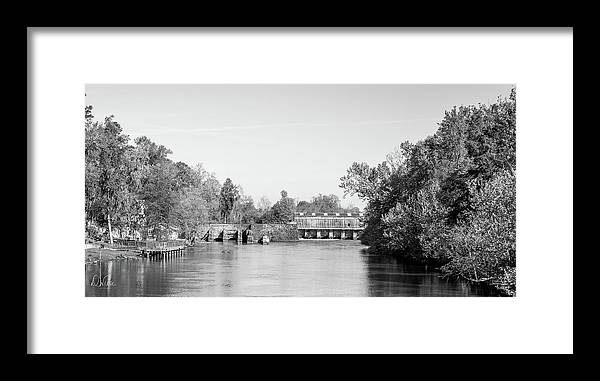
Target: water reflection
(305, 268)
(388, 276)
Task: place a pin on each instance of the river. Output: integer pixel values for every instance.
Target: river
(303, 268)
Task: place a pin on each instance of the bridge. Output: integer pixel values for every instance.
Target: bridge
(329, 225)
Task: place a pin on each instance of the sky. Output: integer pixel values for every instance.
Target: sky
(266, 138)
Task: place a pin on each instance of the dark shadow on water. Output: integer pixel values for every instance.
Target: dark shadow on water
(390, 276)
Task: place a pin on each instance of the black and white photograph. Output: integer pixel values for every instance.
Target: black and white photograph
(300, 190)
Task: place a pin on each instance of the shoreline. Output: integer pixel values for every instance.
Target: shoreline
(92, 255)
(93, 251)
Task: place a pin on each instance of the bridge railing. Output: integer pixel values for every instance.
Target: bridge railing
(323, 214)
(328, 223)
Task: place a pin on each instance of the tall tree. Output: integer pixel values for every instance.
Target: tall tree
(210, 189)
(106, 169)
(159, 196)
(229, 196)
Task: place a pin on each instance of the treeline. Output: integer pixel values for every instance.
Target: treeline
(324, 204)
(450, 198)
(136, 191)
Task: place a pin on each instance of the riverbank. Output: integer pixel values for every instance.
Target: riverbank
(96, 255)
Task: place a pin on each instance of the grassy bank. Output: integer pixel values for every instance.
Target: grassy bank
(95, 255)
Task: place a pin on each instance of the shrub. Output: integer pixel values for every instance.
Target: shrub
(482, 246)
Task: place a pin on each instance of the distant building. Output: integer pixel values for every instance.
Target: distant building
(329, 225)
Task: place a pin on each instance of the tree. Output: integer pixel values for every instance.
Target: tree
(137, 188)
(246, 211)
(304, 207)
(93, 207)
(159, 196)
(448, 199)
(190, 210)
(265, 214)
(210, 189)
(361, 180)
(482, 246)
(229, 196)
(283, 210)
(324, 204)
(406, 225)
(351, 209)
(150, 153)
(263, 204)
(185, 176)
(106, 170)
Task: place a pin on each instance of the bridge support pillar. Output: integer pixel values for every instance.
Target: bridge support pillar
(343, 234)
(318, 234)
(354, 234)
(330, 236)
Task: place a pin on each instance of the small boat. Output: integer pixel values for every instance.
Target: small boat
(264, 240)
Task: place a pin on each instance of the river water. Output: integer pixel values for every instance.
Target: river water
(303, 268)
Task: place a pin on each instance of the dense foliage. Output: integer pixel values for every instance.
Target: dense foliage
(324, 204)
(283, 210)
(136, 191)
(450, 198)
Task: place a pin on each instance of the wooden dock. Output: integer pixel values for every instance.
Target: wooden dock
(155, 249)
